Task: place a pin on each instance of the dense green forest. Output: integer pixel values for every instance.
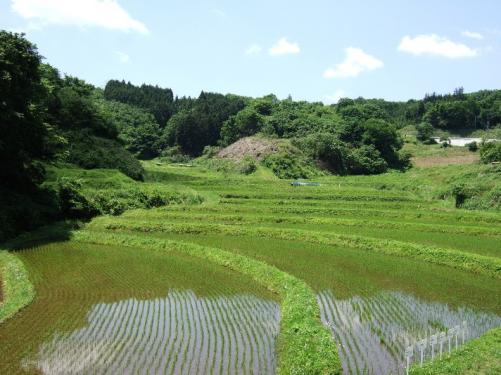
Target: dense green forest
(49, 118)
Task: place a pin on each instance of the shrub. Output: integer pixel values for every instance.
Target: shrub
(174, 154)
(90, 152)
(247, 165)
(21, 212)
(490, 152)
(289, 166)
(116, 202)
(366, 160)
(72, 203)
(210, 151)
(327, 148)
(473, 146)
(462, 193)
(424, 132)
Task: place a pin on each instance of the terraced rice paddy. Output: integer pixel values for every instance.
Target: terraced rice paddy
(361, 244)
(96, 312)
(375, 331)
(177, 334)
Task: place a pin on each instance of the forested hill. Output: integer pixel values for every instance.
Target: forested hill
(214, 119)
(48, 118)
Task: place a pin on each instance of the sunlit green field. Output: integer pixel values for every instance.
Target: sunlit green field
(362, 244)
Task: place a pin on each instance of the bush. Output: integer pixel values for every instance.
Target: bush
(21, 212)
(91, 152)
(210, 151)
(72, 203)
(490, 152)
(289, 166)
(366, 160)
(174, 154)
(424, 132)
(460, 194)
(247, 165)
(116, 202)
(327, 148)
(473, 147)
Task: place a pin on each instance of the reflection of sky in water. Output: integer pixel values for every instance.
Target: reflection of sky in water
(179, 334)
(374, 331)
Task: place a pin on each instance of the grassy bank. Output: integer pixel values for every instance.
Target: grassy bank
(17, 290)
(447, 257)
(480, 356)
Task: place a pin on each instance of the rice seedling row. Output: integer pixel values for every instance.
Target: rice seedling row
(387, 323)
(111, 319)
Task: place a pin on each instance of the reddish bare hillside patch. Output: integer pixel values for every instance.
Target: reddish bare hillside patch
(257, 148)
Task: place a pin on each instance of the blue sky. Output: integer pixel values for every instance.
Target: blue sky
(316, 50)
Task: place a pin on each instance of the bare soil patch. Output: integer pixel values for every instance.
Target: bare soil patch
(257, 148)
(433, 161)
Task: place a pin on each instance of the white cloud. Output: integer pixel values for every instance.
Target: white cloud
(355, 62)
(102, 13)
(334, 98)
(432, 44)
(254, 49)
(472, 34)
(284, 47)
(30, 26)
(122, 57)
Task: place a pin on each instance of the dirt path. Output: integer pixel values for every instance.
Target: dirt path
(433, 161)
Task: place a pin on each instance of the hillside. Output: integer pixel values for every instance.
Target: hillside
(142, 232)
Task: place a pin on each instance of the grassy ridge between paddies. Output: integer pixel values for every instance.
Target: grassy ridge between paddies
(447, 257)
(17, 290)
(480, 356)
(305, 346)
(289, 219)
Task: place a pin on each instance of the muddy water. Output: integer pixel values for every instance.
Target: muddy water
(110, 310)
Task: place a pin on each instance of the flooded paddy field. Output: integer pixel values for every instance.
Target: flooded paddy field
(105, 309)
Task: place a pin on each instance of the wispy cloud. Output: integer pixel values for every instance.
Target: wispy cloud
(472, 34)
(219, 13)
(84, 13)
(122, 57)
(355, 62)
(434, 45)
(334, 98)
(254, 49)
(284, 47)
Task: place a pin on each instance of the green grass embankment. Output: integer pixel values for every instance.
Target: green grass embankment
(480, 356)
(479, 264)
(17, 290)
